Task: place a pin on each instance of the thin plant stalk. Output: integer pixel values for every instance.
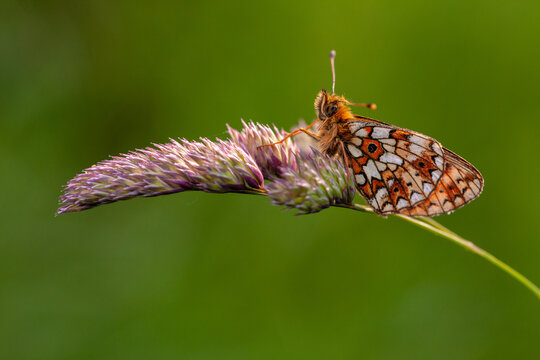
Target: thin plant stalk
(437, 225)
(436, 228)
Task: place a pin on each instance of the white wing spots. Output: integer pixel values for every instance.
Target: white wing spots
(416, 197)
(478, 184)
(373, 203)
(389, 148)
(357, 125)
(387, 207)
(390, 182)
(427, 188)
(447, 206)
(410, 157)
(355, 152)
(412, 184)
(381, 166)
(380, 133)
(362, 133)
(391, 158)
(415, 149)
(392, 167)
(360, 179)
(381, 193)
(356, 141)
(468, 194)
(439, 162)
(402, 203)
(371, 171)
(389, 141)
(415, 139)
(437, 148)
(354, 126)
(401, 150)
(435, 175)
(475, 188)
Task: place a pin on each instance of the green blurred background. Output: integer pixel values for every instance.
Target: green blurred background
(201, 276)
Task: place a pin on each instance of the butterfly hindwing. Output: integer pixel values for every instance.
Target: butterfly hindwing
(460, 184)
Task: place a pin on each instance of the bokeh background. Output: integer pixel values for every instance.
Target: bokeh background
(202, 276)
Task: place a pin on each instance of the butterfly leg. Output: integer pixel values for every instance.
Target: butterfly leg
(295, 132)
(346, 161)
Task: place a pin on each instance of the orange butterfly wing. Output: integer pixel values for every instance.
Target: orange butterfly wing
(399, 171)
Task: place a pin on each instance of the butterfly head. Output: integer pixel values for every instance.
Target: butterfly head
(331, 106)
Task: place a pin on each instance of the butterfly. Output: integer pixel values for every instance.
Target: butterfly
(396, 170)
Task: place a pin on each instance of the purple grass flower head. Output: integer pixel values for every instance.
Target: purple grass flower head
(270, 159)
(297, 176)
(318, 183)
(208, 166)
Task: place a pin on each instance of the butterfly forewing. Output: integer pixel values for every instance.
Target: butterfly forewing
(395, 169)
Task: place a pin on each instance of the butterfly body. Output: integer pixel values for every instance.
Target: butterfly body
(397, 171)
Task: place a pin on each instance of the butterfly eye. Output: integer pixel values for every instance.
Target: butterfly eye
(331, 109)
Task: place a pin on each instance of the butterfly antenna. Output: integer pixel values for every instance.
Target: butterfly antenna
(332, 57)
